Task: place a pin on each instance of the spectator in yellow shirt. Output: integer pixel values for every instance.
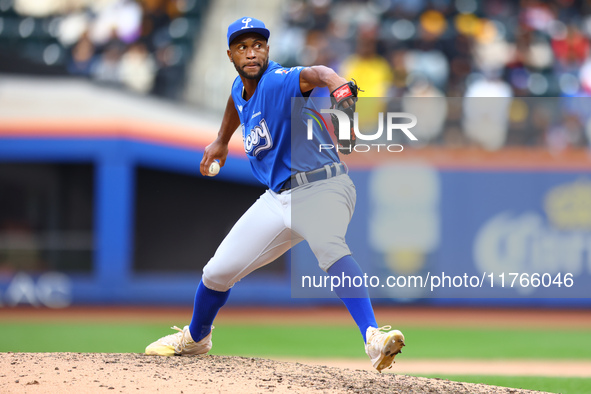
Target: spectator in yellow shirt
(373, 74)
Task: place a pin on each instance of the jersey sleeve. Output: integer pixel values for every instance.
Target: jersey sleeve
(289, 80)
(234, 91)
(293, 82)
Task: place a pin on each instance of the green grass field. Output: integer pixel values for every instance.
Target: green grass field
(551, 385)
(323, 342)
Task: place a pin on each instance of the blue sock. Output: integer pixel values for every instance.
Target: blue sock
(207, 304)
(356, 299)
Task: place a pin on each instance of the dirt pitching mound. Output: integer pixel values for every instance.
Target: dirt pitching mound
(95, 372)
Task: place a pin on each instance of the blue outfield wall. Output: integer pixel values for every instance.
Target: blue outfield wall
(505, 237)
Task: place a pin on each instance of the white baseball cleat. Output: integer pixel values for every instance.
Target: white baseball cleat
(382, 347)
(179, 344)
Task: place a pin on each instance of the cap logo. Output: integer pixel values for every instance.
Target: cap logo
(246, 21)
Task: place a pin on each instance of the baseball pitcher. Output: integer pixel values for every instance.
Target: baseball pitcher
(260, 103)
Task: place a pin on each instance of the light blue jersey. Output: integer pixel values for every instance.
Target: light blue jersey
(275, 149)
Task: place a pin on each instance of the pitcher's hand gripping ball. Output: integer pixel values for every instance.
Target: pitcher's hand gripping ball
(344, 98)
(214, 168)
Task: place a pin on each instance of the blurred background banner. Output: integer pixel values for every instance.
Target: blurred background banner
(106, 107)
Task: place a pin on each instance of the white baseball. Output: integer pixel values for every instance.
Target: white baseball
(214, 168)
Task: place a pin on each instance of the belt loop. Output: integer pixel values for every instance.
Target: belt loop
(328, 171)
(305, 178)
(302, 178)
(337, 168)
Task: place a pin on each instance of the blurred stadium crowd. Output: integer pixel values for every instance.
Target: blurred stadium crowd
(393, 48)
(143, 46)
(458, 48)
(539, 48)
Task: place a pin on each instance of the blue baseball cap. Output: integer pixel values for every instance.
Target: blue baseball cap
(247, 25)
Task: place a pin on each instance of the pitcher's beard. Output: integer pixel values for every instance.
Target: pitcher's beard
(257, 75)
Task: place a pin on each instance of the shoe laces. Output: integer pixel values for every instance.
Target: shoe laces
(184, 341)
(178, 340)
(176, 328)
(378, 331)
